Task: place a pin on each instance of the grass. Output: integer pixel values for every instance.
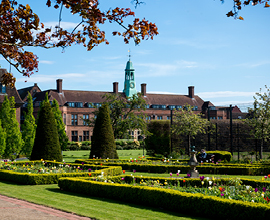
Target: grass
(71, 156)
(97, 208)
(184, 175)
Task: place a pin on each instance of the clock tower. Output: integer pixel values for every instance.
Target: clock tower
(129, 85)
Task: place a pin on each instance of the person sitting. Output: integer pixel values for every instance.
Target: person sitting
(202, 156)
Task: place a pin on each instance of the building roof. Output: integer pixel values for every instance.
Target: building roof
(10, 91)
(168, 99)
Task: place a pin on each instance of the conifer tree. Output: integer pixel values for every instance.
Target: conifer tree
(28, 128)
(14, 140)
(63, 139)
(2, 140)
(103, 143)
(46, 145)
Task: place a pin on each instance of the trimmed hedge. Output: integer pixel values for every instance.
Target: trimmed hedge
(221, 155)
(197, 204)
(38, 179)
(231, 169)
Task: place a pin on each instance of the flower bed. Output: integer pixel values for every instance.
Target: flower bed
(49, 172)
(171, 199)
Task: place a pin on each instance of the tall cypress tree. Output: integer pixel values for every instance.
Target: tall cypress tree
(2, 140)
(46, 145)
(63, 139)
(103, 143)
(28, 128)
(14, 140)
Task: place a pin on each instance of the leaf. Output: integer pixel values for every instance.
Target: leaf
(241, 18)
(266, 5)
(230, 14)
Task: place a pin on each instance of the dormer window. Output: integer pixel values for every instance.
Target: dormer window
(2, 88)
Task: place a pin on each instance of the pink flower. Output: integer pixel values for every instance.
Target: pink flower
(177, 174)
(170, 174)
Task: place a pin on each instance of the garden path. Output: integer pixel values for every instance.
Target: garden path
(13, 209)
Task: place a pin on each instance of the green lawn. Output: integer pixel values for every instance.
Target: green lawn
(71, 156)
(97, 208)
(184, 175)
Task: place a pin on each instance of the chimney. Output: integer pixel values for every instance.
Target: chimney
(191, 92)
(143, 89)
(59, 85)
(35, 84)
(115, 87)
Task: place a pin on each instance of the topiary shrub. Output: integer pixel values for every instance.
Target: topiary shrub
(103, 143)
(159, 141)
(46, 145)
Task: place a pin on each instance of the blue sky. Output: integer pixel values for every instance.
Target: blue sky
(226, 60)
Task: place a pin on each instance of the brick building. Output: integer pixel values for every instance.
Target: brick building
(77, 105)
(8, 91)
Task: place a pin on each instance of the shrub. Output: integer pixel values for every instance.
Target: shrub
(159, 141)
(103, 143)
(46, 145)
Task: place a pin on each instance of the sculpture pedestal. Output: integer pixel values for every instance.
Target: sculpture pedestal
(193, 163)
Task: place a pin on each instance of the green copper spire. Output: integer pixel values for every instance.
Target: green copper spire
(129, 84)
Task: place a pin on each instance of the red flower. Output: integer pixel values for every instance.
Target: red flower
(184, 181)
(89, 174)
(267, 199)
(124, 171)
(101, 164)
(268, 175)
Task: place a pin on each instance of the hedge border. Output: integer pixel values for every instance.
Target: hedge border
(168, 199)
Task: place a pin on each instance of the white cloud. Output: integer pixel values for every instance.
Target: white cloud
(159, 69)
(222, 94)
(46, 62)
(64, 25)
(254, 64)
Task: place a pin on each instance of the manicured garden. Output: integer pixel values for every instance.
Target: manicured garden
(131, 184)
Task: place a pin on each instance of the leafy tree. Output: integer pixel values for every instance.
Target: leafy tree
(239, 4)
(103, 143)
(186, 122)
(259, 117)
(19, 21)
(10, 124)
(28, 128)
(159, 140)
(126, 114)
(63, 138)
(2, 140)
(46, 145)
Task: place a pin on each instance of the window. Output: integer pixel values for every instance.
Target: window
(74, 135)
(90, 105)
(2, 88)
(85, 135)
(65, 119)
(78, 104)
(75, 104)
(155, 106)
(195, 108)
(97, 104)
(148, 117)
(178, 107)
(162, 106)
(159, 117)
(168, 117)
(220, 117)
(74, 119)
(85, 117)
(212, 108)
(171, 107)
(71, 104)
